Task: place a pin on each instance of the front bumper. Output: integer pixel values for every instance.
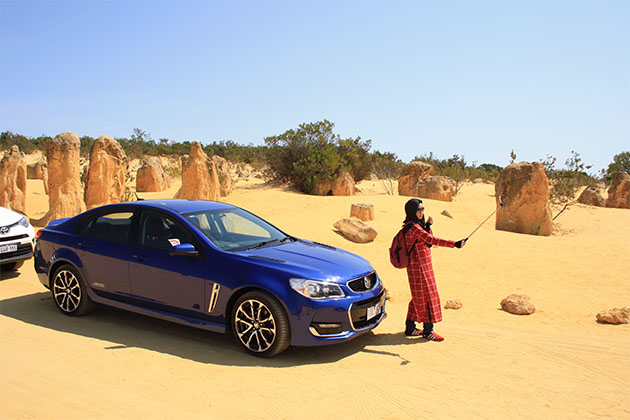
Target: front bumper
(337, 321)
(23, 251)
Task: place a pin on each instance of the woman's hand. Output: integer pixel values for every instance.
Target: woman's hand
(430, 220)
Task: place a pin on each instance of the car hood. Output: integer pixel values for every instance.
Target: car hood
(8, 217)
(313, 261)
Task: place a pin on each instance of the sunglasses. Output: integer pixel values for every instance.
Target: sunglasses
(420, 209)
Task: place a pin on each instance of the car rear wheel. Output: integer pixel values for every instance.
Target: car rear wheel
(260, 325)
(69, 292)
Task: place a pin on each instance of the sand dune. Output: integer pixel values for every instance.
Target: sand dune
(555, 364)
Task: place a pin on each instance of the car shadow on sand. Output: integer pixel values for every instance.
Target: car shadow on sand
(121, 330)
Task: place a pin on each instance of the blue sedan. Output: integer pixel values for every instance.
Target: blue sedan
(213, 266)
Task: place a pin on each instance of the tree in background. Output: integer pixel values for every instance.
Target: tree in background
(564, 183)
(620, 163)
(313, 153)
(387, 167)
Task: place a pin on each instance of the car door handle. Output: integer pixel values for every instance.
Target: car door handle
(140, 257)
(83, 245)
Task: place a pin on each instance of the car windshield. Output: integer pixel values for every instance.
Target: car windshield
(235, 229)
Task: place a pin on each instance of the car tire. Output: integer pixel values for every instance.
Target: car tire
(12, 266)
(69, 292)
(260, 325)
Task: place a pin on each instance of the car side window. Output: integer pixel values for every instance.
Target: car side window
(161, 232)
(114, 227)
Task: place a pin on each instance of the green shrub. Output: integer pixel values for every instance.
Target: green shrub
(313, 153)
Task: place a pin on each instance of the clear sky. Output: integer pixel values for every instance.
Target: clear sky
(473, 78)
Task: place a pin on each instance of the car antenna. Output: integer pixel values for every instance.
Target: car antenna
(138, 198)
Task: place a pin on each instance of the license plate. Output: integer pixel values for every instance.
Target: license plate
(8, 248)
(373, 311)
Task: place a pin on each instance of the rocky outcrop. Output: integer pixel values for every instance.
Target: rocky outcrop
(362, 211)
(105, 182)
(38, 170)
(524, 190)
(619, 192)
(614, 316)
(65, 195)
(354, 229)
(151, 176)
(343, 185)
(518, 305)
(13, 180)
(592, 196)
(436, 188)
(200, 179)
(223, 171)
(453, 304)
(411, 176)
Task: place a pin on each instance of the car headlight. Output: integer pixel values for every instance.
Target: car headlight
(24, 222)
(314, 289)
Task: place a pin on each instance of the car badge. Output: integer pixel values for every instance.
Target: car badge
(4, 229)
(367, 282)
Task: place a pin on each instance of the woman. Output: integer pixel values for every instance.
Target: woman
(425, 301)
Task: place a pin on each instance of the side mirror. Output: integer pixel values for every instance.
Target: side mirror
(186, 250)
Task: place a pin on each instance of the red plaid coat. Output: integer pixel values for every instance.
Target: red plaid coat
(421, 276)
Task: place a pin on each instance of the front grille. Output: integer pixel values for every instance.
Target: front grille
(13, 238)
(358, 312)
(359, 285)
(23, 250)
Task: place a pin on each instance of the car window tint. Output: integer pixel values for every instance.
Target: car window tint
(161, 232)
(235, 223)
(113, 227)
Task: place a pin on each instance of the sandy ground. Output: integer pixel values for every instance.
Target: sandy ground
(558, 363)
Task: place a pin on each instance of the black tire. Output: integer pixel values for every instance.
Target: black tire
(260, 325)
(69, 292)
(12, 266)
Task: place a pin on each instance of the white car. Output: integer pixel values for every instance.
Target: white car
(17, 239)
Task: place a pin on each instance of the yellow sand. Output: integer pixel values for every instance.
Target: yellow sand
(558, 363)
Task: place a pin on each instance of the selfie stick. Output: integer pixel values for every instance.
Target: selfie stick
(495, 210)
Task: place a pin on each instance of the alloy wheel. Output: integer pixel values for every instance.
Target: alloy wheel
(255, 325)
(67, 291)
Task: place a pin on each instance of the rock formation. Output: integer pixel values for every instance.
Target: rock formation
(592, 196)
(200, 180)
(65, 196)
(344, 185)
(151, 176)
(38, 170)
(355, 230)
(412, 175)
(619, 192)
(13, 180)
(524, 189)
(614, 316)
(518, 305)
(223, 171)
(362, 211)
(453, 304)
(106, 173)
(436, 188)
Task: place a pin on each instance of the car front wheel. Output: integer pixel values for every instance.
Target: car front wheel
(260, 325)
(69, 294)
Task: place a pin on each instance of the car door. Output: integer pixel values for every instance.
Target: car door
(172, 283)
(103, 245)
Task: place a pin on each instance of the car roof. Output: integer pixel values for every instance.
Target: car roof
(180, 205)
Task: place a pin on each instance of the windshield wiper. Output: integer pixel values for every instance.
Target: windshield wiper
(263, 243)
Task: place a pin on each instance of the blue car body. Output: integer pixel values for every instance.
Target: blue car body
(201, 289)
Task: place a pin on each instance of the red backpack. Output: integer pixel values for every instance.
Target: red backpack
(399, 254)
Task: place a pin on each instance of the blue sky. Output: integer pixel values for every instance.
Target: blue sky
(473, 78)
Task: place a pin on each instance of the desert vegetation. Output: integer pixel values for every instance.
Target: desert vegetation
(313, 153)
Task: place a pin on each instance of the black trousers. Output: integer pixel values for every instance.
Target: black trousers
(428, 326)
